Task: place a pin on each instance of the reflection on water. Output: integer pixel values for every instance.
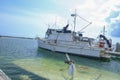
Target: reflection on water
(20, 59)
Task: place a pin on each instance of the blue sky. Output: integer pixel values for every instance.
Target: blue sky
(30, 18)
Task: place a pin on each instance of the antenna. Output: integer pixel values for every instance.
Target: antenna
(104, 30)
(55, 23)
(67, 21)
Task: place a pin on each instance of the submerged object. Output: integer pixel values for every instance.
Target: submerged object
(3, 76)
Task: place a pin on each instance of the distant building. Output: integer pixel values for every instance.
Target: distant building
(118, 47)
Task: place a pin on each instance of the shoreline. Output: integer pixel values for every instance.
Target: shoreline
(16, 37)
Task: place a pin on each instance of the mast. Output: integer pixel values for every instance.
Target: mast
(75, 18)
(104, 30)
(74, 15)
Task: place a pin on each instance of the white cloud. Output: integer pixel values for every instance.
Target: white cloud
(113, 20)
(96, 13)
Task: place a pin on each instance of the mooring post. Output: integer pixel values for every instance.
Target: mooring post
(71, 69)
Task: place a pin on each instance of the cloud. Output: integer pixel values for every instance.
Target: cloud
(115, 26)
(113, 20)
(98, 13)
(113, 14)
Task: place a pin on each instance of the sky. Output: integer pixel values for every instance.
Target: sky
(31, 18)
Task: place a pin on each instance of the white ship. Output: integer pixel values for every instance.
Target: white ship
(67, 41)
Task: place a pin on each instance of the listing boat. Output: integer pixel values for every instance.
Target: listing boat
(67, 41)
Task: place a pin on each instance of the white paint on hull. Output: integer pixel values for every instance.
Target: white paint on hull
(71, 48)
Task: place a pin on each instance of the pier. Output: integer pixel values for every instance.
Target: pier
(113, 53)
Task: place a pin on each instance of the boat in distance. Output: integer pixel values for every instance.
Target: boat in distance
(67, 41)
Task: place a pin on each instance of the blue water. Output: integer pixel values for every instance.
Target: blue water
(21, 59)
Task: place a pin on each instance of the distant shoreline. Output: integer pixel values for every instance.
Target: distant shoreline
(16, 37)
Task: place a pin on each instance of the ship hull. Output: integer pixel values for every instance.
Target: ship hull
(57, 47)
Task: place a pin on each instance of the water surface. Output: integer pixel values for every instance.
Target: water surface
(21, 59)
